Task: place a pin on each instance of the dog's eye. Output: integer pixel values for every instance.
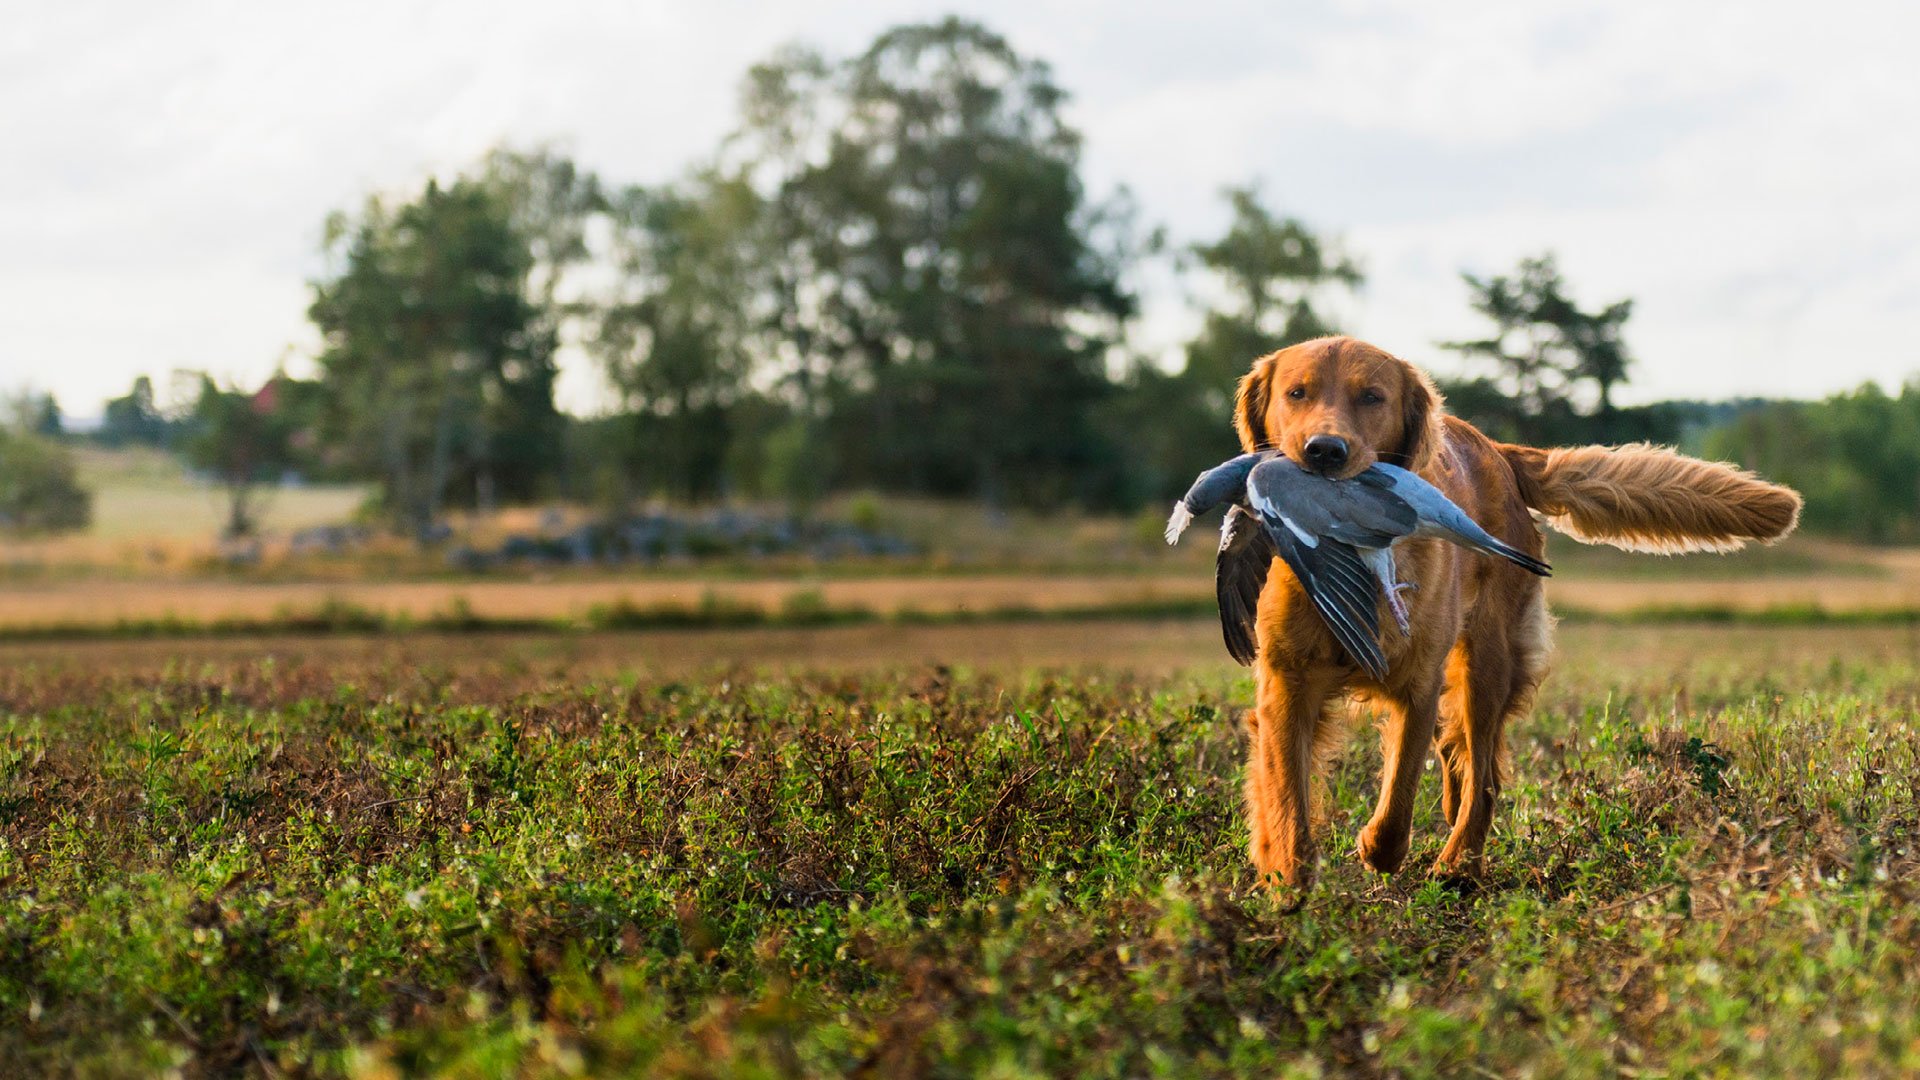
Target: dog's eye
(1298, 393)
(1371, 397)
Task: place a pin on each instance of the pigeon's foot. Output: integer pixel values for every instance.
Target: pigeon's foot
(1178, 521)
(1398, 606)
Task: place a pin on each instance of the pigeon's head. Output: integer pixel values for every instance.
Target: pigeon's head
(1336, 406)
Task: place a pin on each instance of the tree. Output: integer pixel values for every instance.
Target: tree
(1545, 351)
(1274, 274)
(34, 412)
(134, 420)
(1855, 456)
(678, 338)
(552, 205)
(1268, 279)
(40, 488)
(944, 288)
(438, 357)
(244, 440)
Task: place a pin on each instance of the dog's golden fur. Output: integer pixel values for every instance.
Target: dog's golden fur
(1481, 634)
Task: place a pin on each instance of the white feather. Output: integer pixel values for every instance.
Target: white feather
(1178, 521)
(1305, 538)
(1261, 504)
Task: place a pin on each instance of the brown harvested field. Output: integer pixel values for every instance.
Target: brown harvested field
(104, 603)
(107, 602)
(1139, 645)
(1687, 655)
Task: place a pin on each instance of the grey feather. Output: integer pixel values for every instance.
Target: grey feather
(1439, 516)
(1240, 575)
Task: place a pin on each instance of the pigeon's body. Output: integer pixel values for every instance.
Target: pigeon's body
(1333, 534)
(1256, 530)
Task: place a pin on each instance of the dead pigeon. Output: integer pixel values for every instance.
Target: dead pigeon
(1336, 580)
(1322, 528)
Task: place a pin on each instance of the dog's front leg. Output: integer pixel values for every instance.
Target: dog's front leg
(1284, 726)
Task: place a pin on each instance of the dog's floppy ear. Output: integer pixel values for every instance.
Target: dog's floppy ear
(1420, 432)
(1250, 406)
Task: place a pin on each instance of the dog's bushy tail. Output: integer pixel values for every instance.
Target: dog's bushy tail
(1649, 498)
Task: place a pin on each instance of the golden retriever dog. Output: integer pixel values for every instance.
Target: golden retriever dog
(1481, 634)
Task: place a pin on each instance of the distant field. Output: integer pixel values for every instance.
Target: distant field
(154, 523)
(901, 851)
(147, 495)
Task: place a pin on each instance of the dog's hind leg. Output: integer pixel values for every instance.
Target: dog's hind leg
(1493, 673)
(1404, 741)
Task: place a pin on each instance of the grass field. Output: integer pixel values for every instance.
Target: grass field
(779, 852)
(145, 494)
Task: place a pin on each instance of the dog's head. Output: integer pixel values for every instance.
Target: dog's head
(1336, 405)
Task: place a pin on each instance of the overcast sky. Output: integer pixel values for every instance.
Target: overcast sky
(1748, 171)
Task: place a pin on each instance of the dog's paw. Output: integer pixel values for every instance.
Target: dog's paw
(1463, 876)
(1288, 891)
(1382, 848)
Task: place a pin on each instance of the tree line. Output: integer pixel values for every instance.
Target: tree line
(890, 275)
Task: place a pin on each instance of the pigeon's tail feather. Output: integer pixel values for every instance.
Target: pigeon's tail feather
(1648, 498)
(1492, 546)
(1467, 532)
(1178, 521)
(1361, 646)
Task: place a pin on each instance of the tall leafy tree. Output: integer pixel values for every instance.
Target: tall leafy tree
(438, 360)
(946, 294)
(1268, 280)
(34, 412)
(555, 206)
(1547, 355)
(1273, 275)
(244, 440)
(40, 487)
(678, 337)
(135, 419)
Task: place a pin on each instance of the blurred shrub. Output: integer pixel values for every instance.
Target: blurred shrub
(40, 488)
(863, 511)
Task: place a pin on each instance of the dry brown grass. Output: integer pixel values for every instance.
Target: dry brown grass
(104, 603)
(1585, 653)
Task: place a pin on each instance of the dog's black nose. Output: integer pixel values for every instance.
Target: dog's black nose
(1326, 453)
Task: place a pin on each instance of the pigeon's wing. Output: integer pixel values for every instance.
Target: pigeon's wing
(1368, 516)
(1313, 507)
(1341, 590)
(1240, 573)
